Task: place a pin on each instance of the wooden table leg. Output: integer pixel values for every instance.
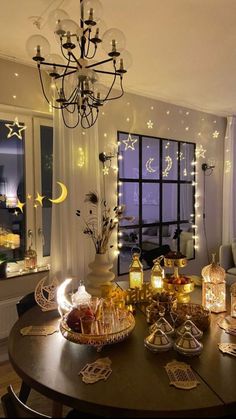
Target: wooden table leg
(57, 409)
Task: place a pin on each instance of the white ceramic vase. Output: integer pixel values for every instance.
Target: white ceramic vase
(100, 275)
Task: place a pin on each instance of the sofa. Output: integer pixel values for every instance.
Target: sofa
(227, 259)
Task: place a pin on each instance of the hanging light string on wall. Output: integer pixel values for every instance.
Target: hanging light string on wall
(75, 75)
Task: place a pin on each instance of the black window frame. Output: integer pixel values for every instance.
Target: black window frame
(159, 181)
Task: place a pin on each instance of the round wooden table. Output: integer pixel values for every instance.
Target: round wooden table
(138, 386)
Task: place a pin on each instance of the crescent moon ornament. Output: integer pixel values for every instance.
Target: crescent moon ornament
(63, 195)
(45, 295)
(148, 165)
(168, 160)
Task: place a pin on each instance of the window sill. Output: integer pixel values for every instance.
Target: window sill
(16, 270)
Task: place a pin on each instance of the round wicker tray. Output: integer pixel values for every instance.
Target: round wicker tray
(97, 340)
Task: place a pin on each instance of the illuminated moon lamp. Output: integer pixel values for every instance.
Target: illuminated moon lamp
(157, 274)
(213, 287)
(136, 272)
(63, 195)
(63, 303)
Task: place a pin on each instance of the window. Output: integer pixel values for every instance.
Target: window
(25, 171)
(156, 184)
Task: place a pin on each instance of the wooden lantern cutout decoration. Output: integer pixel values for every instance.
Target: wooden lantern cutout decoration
(233, 299)
(213, 287)
(157, 274)
(136, 272)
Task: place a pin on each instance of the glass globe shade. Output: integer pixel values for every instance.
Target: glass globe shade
(37, 46)
(113, 41)
(126, 58)
(93, 6)
(55, 59)
(55, 18)
(69, 25)
(99, 30)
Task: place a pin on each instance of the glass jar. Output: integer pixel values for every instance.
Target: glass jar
(30, 259)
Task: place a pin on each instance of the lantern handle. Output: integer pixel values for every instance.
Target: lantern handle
(135, 249)
(158, 260)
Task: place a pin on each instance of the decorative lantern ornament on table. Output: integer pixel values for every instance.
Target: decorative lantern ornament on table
(30, 257)
(233, 299)
(136, 270)
(213, 287)
(157, 274)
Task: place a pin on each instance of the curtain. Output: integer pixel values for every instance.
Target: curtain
(229, 183)
(76, 164)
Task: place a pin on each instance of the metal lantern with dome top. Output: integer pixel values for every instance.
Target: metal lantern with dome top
(213, 287)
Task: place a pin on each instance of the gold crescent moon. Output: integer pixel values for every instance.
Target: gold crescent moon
(148, 165)
(63, 195)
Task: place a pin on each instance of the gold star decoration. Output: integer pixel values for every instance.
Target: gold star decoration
(200, 152)
(39, 198)
(105, 170)
(15, 129)
(150, 124)
(115, 168)
(20, 205)
(29, 196)
(215, 134)
(129, 143)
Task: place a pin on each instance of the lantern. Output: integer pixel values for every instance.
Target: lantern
(81, 296)
(157, 274)
(136, 272)
(30, 259)
(213, 287)
(233, 299)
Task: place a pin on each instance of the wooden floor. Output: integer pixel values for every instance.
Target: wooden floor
(36, 401)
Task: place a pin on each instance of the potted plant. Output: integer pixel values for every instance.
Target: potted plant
(3, 266)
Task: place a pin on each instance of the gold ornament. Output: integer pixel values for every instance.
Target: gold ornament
(63, 195)
(45, 295)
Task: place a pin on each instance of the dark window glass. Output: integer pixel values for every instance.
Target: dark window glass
(46, 144)
(156, 184)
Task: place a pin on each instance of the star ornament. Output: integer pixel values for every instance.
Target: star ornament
(39, 198)
(20, 205)
(215, 134)
(150, 124)
(200, 152)
(129, 143)
(105, 170)
(15, 129)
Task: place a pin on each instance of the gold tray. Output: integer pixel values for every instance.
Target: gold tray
(97, 340)
(181, 290)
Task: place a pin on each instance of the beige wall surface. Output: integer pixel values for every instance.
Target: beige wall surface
(131, 114)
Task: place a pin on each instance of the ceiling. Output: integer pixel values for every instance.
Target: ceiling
(184, 51)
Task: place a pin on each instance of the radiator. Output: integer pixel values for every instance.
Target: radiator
(8, 316)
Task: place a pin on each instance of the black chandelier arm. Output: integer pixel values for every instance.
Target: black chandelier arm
(67, 108)
(107, 72)
(63, 75)
(75, 59)
(58, 65)
(122, 91)
(43, 90)
(88, 43)
(99, 63)
(66, 57)
(94, 53)
(66, 124)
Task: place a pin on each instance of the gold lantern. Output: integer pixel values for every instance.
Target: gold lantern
(30, 259)
(213, 287)
(233, 299)
(157, 274)
(136, 272)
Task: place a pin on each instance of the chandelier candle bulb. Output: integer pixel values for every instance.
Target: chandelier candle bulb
(213, 287)
(136, 272)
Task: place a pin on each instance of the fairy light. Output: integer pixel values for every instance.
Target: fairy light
(120, 245)
(120, 183)
(120, 157)
(120, 233)
(116, 252)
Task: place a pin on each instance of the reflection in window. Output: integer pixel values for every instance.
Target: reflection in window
(156, 185)
(12, 188)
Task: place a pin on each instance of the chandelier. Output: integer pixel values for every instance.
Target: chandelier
(75, 74)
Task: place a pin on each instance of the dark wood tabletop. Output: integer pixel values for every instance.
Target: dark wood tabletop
(138, 385)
